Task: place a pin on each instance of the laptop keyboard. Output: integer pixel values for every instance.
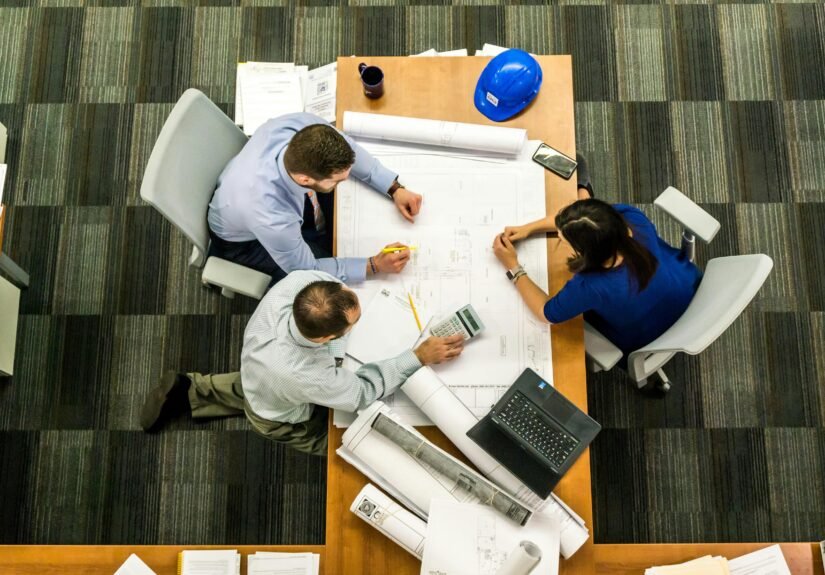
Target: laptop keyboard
(527, 421)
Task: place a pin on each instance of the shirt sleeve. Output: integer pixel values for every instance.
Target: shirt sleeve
(288, 249)
(369, 170)
(574, 299)
(351, 391)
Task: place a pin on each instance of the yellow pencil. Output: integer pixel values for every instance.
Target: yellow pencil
(401, 249)
(415, 313)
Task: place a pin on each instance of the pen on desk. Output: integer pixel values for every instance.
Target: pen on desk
(398, 249)
(415, 313)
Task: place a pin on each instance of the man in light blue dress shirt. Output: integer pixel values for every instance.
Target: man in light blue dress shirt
(291, 367)
(273, 206)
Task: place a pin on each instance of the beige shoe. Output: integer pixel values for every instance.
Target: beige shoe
(168, 399)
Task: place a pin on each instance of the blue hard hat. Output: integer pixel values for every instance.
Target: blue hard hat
(509, 82)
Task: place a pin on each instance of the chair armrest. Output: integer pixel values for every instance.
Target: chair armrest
(235, 278)
(688, 213)
(599, 349)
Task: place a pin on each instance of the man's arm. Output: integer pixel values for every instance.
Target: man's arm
(287, 247)
(369, 170)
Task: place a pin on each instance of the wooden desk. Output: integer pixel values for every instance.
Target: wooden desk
(442, 89)
(105, 559)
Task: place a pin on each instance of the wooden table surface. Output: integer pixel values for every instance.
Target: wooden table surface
(438, 88)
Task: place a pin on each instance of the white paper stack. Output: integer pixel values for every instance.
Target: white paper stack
(432, 52)
(493, 50)
(265, 90)
(268, 563)
(2, 181)
(209, 562)
(767, 561)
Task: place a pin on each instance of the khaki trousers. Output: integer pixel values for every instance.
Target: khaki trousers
(221, 395)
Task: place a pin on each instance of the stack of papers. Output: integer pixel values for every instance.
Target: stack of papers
(134, 566)
(767, 561)
(432, 52)
(263, 563)
(209, 562)
(493, 50)
(2, 181)
(265, 90)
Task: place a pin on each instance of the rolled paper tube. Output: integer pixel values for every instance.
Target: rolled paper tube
(521, 560)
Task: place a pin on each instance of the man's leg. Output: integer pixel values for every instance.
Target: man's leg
(249, 254)
(308, 436)
(215, 395)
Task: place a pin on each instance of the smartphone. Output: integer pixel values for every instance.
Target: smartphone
(555, 161)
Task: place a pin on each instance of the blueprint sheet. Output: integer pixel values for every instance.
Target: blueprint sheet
(467, 201)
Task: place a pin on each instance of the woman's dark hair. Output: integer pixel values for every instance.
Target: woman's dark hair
(320, 309)
(598, 234)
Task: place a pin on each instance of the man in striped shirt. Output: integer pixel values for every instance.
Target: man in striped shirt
(290, 367)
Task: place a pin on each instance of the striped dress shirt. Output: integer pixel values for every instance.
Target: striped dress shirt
(284, 375)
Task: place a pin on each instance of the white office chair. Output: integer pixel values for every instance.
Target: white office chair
(727, 287)
(194, 146)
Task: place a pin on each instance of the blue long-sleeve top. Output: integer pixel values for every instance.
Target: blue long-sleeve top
(611, 302)
(257, 199)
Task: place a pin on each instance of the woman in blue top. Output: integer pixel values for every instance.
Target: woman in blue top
(628, 283)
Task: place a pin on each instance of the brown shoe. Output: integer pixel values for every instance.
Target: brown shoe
(169, 398)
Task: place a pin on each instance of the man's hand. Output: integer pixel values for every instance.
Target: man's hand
(439, 349)
(516, 233)
(394, 262)
(408, 203)
(505, 252)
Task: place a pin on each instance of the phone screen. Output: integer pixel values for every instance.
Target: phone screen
(555, 161)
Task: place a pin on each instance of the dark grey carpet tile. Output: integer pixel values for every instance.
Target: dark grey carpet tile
(165, 53)
(811, 218)
(267, 33)
(594, 62)
(16, 449)
(99, 155)
(801, 29)
(643, 144)
(54, 50)
(138, 283)
(759, 163)
(80, 397)
(32, 240)
(797, 503)
(620, 501)
(696, 72)
(789, 391)
(27, 399)
(805, 141)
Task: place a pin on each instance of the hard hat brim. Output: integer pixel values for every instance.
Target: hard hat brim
(496, 113)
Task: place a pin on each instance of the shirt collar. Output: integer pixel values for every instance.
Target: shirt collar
(291, 184)
(299, 337)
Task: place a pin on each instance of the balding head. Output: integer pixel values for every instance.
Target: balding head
(325, 309)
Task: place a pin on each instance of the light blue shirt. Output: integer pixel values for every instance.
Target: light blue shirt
(284, 374)
(256, 199)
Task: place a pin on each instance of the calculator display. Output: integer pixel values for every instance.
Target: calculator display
(469, 317)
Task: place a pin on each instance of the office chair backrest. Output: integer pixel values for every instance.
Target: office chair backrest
(194, 146)
(727, 287)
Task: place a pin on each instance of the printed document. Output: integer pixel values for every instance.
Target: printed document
(767, 561)
(471, 539)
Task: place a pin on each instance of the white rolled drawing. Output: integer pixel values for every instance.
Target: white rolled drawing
(521, 560)
(382, 513)
(478, 137)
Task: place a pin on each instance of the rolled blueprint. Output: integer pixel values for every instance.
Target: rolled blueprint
(465, 478)
(388, 517)
(521, 560)
(454, 419)
(479, 137)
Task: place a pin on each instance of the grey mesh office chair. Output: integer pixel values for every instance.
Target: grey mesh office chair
(194, 146)
(727, 287)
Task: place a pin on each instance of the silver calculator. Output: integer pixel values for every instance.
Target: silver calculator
(465, 321)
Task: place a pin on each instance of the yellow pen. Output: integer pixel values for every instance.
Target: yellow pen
(398, 249)
(415, 313)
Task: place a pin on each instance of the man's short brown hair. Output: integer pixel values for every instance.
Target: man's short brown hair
(320, 309)
(318, 151)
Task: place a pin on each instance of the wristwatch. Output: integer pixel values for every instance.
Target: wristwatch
(515, 273)
(396, 185)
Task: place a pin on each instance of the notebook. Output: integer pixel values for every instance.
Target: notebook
(209, 562)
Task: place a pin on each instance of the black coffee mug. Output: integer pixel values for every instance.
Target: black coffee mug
(372, 77)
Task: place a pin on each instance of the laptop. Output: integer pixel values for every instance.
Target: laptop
(535, 432)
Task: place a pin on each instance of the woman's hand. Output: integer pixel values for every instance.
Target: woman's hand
(505, 251)
(517, 233)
